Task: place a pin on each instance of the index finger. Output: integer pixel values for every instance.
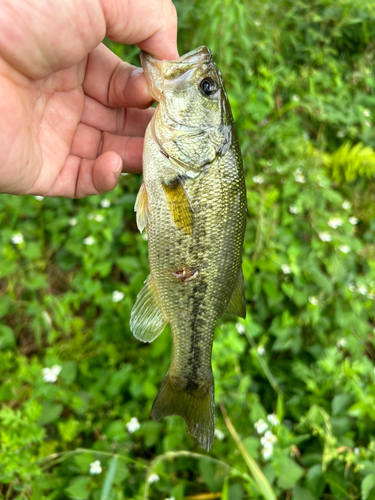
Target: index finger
(151, 25)
(114, 83)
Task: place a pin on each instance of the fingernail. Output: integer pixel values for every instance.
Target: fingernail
(118, 170)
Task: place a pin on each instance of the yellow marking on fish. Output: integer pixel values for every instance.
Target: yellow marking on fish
(179, 206)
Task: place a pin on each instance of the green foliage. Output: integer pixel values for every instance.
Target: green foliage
(300, 78)
(350, 162)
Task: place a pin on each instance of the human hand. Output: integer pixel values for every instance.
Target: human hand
(72, 114)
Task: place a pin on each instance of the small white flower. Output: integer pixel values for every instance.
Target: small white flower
(267, 451)
(325, 236)
(299, 178)
(117, 296)
(367, 112)
(314, 301)
(293, 209)
(268, 438)
(356, 451)
(261, 426)
(38, 198)
(89, 240)
(367, 123)
(95, 468)
(105, 203)
(346, 205)
(258, 179)
(51, 374)
(342, 342)
(351, 287)
(98, 217)
(133, 425)
(240, 328)
(340, 134)
(153, 478)
(286, 269)
(273, 419)
(261, 350)
(73, 221)
(344, 248)
(335, 222)
(362, 289)
(295, 98)
(17, 238)
(353, 220)
(219, 434)
(170, 498)
(371, 296)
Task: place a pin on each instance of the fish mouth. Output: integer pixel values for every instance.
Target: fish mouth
(159, 73)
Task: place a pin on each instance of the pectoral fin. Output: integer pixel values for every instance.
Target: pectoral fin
(179, 206)
(237, 305)
(147, 320)
(141, 207)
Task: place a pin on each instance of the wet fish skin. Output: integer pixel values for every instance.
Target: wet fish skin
(193, 205)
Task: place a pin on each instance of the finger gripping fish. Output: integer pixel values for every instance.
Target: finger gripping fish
(192, 204)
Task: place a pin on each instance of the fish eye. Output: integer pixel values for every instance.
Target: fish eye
(207, 86)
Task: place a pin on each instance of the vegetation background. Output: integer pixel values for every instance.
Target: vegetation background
(297, 376)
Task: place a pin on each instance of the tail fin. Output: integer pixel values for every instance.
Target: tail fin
(195, 405)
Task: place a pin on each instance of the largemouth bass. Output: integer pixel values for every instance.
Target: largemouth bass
(192, 204)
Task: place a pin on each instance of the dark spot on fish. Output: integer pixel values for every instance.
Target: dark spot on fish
(191, 386)
(164, 153)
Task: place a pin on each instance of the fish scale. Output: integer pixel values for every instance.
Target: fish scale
(193, 206)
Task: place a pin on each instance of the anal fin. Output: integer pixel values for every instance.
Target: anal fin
(146, 319)
(141, 207)
(237, 305)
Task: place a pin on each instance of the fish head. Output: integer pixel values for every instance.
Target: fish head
(193, 123)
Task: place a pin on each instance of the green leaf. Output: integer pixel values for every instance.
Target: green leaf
(299, 493)
(77, 489)
(368, 487)
(213, 474)
(288, 472)
(69, 371)
(235, 492)
(341, 402)
(109, 477)
(7, 338)
(50, 413)
(178, 491)
(5, 303)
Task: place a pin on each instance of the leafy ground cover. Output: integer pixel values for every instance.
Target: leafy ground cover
(295, 386)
